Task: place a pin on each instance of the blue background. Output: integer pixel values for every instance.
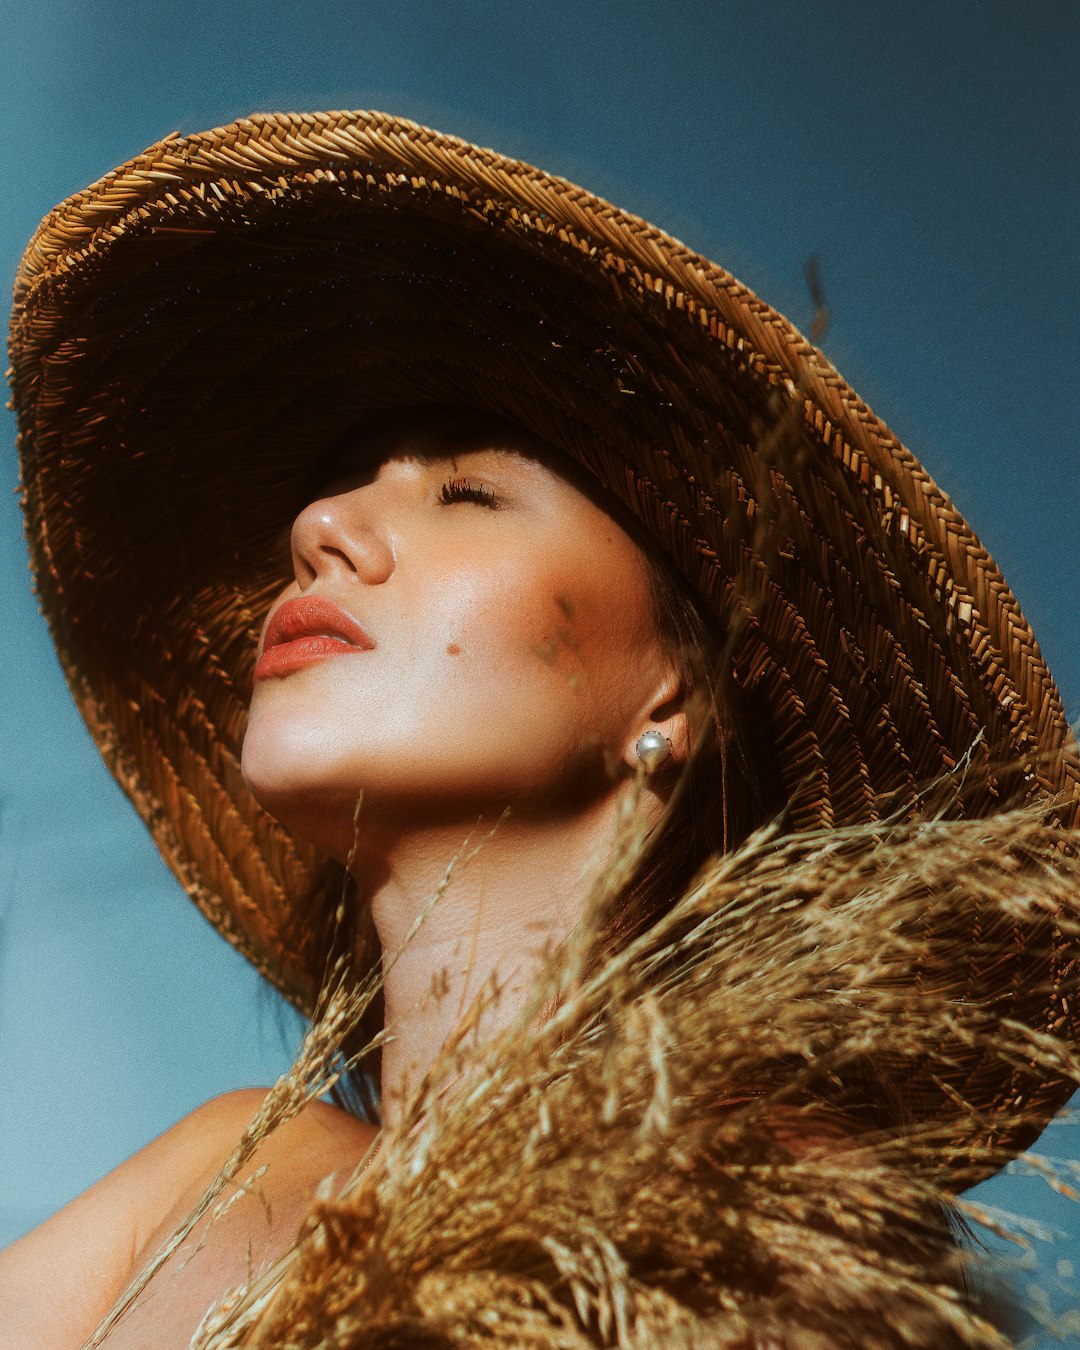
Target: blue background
(927, 153)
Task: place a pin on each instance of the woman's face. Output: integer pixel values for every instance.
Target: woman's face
(464, 631)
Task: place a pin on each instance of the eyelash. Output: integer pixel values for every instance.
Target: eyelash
(461, 490)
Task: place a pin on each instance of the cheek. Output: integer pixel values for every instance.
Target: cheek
(505, 627)
(568, 632)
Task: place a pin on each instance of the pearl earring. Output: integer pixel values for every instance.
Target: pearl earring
(652, 749)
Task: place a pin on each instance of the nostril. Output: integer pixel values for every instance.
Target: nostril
(331, 552)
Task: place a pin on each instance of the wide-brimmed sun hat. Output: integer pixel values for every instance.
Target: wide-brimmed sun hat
(193, 331)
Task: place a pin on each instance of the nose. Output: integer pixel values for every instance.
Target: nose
(337, 535)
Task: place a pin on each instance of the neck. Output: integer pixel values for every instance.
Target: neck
(516, 889)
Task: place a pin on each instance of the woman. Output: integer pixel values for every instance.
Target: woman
(635, 565)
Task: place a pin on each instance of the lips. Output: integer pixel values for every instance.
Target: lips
(306, 630)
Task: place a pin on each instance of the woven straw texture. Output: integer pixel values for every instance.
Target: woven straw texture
(191, 334)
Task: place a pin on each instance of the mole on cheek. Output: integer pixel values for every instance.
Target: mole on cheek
(452, 649)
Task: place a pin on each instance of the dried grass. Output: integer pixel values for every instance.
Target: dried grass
(622, 1172)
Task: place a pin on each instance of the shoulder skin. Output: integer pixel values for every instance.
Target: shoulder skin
(58, 1281)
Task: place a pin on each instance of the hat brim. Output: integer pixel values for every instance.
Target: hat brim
(192, 332)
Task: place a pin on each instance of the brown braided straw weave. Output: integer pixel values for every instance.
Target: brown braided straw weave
(191, 332)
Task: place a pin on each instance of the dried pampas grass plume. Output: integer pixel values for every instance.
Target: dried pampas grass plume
(701, 1144)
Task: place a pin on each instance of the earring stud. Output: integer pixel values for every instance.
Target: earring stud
(652, 749)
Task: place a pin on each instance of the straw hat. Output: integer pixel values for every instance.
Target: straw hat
(192, 330)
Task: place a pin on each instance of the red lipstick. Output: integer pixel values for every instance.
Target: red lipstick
(306, 630)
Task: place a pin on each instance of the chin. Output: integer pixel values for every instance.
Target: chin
(297, 791)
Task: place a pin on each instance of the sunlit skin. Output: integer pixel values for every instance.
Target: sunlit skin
(512, 665)
(514, 652)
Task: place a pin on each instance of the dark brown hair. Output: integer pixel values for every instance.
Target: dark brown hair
(728, 788)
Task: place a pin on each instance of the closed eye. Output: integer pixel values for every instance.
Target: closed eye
(462, 490)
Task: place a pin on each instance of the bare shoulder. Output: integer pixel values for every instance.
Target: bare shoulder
(320, 1141)
(197, 1146)
(77, 1263)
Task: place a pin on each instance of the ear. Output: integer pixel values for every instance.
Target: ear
(665, 711)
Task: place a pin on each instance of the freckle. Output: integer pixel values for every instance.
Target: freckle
(547, 651)
(453, 649)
